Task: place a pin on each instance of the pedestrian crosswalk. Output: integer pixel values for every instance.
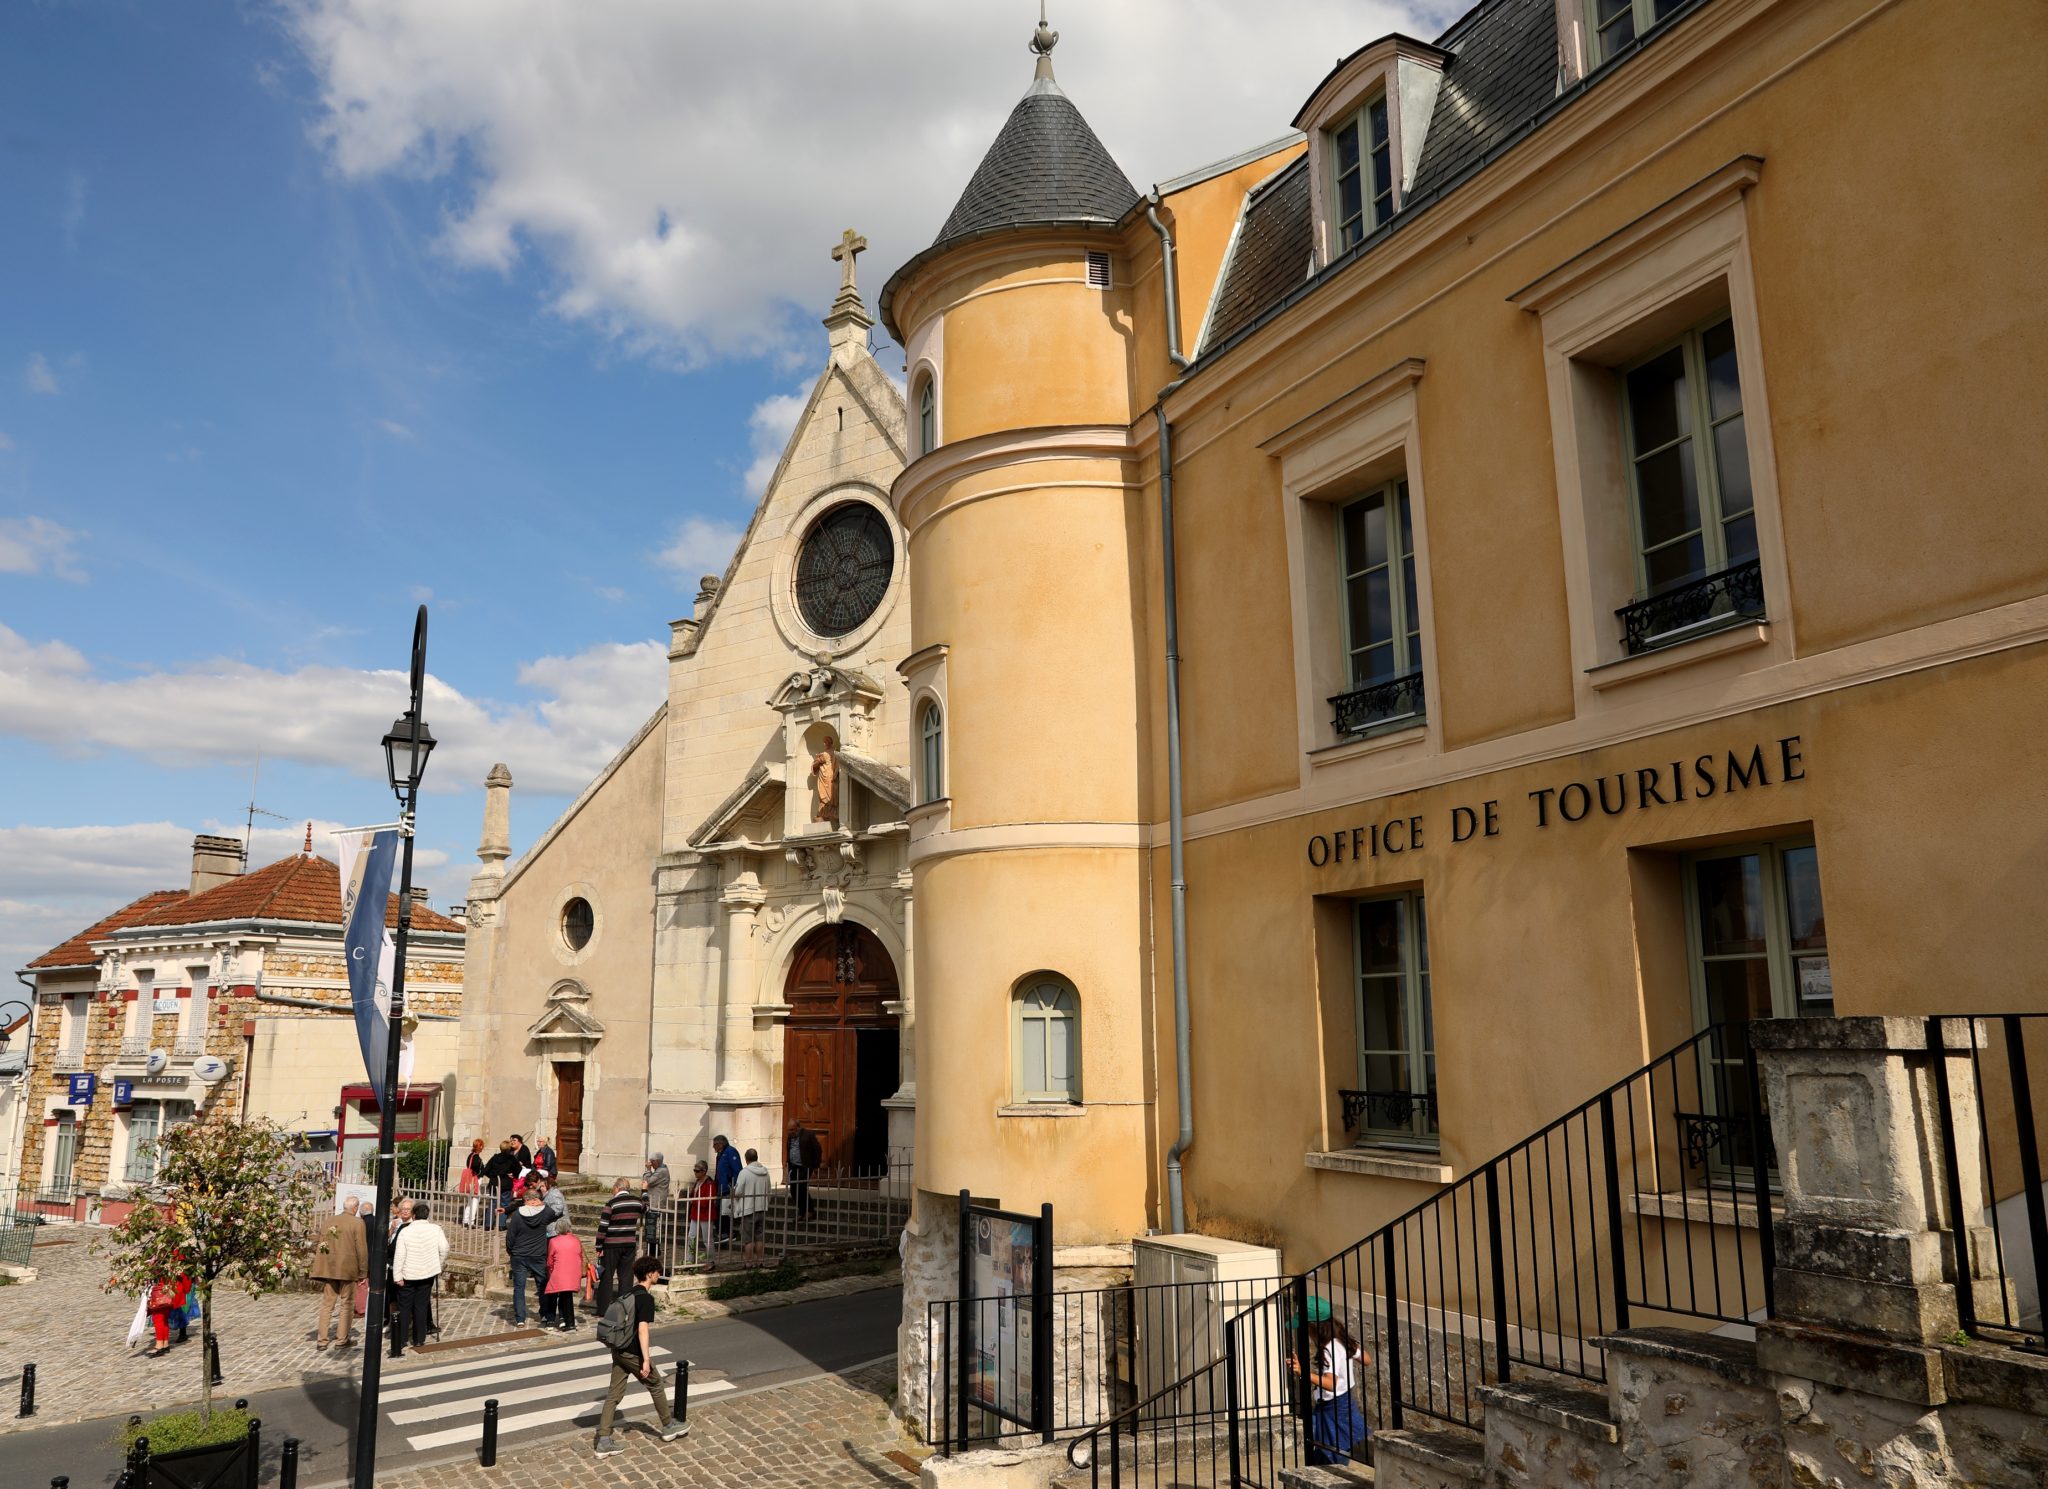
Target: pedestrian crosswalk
(441, 1406)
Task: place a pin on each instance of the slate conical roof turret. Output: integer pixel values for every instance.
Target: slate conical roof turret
(1045, 169)
(1046, 165)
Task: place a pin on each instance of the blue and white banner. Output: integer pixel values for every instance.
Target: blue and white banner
(366, 869)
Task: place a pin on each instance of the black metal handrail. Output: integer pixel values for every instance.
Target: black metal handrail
(1735, 593)
(1570, 1234)
(1379, 703)
(2008, 1196)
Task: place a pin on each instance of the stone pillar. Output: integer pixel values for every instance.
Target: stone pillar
(1866, 1265)
(738, 1070)
(495, 846)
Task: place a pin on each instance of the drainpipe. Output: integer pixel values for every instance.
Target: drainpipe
(1182, 1071)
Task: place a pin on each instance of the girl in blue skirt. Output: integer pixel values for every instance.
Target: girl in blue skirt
(1336, 1423)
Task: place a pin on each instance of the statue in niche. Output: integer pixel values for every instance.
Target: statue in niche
(825, 785)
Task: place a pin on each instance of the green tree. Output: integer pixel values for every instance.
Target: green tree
(227, 1206)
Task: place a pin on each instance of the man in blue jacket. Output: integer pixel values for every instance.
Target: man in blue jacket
(725, 1173)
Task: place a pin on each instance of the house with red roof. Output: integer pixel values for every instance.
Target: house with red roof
(229, 995)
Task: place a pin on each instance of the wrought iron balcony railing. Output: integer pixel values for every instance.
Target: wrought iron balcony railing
(190, 1046)
(1392, 1109)
(1364, 709)
(135, 1046)
(1735, 594)
(71, 1056)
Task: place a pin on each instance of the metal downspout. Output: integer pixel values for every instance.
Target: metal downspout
(1182, 1071)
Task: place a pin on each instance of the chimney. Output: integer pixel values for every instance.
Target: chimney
(215, 860)
(419, 897)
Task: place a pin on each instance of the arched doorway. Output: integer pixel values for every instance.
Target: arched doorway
(840, 1048)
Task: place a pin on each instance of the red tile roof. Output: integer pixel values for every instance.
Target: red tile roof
(303, 887)
(77, 952)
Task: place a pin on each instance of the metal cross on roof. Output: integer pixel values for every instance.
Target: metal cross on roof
(850, 243)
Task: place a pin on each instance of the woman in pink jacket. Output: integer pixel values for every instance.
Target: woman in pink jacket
(566, 1262)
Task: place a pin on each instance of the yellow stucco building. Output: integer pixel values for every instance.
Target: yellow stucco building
(1610, 597)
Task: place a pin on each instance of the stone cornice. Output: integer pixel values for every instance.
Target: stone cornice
(986, 452)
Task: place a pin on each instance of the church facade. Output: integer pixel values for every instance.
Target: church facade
(714, 937)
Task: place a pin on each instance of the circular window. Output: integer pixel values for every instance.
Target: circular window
(843, 568)
(577, 923)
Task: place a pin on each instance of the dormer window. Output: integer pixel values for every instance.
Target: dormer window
(1362, 163)
(1616, 23)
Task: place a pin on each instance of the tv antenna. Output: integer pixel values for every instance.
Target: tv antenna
(249, 827)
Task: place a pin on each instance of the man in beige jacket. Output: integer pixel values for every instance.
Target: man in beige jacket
(340, 1261)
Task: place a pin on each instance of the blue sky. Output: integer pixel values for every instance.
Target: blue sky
(317, 308)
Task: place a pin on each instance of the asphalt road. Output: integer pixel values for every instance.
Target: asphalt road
(434, 1412)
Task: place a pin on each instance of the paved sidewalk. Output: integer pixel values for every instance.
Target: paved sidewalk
(830, 1433)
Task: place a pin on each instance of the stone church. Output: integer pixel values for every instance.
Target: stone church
(714, 937)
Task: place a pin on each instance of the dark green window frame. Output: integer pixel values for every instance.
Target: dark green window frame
(1613, 24)
(1361, 172)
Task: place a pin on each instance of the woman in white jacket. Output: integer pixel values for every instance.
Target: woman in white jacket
(750, 1208)
(417, 1256)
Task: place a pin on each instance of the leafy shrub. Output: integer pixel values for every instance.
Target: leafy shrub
(415, 1159)
(178, 1430)
(779, 1279)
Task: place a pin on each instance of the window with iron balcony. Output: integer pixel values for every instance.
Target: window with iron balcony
(1380, 614)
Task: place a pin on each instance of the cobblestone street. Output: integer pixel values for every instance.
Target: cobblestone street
(75, 1334)
(818, 1434)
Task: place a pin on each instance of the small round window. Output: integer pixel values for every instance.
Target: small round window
(577, 923)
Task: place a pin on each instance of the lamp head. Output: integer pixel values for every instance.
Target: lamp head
(406, 749)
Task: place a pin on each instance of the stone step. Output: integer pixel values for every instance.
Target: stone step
(1335, 1476)
(1542, 1432)
(1417, 1458)
(1579, 1410)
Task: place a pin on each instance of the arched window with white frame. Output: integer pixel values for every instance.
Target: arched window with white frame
(927, 415)
(1047, 1032)
(931, 737)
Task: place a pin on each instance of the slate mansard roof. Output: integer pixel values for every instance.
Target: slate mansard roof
(1500, 82)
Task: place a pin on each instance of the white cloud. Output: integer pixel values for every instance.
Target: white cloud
(682, 170)
(31, 545)
(396, 430)
(55, 881)
(205, 713)
(421, 593)
(39, 377)
(700, 547)
(6, 441)
(769, 427)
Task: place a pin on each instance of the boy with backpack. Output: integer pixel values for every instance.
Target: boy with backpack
(623, 1330)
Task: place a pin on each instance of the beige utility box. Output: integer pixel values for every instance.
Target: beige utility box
(1187, 1289)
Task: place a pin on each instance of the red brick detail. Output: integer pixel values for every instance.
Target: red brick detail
(129, 995)
(242, 990)
(248, 1028)
(184, 992)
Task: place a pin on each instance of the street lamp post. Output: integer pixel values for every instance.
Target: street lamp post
(406, 749)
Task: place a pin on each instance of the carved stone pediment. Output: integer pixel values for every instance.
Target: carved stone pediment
(823, 686)
(567, 1020)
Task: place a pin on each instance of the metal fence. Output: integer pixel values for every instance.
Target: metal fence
(1115, 1352)
(829, 1210)
(18, 1223)
(1994, 1178)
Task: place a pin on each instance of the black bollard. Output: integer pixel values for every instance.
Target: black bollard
(241, 1403)
(62, 1481)
(288, 1469)
(28, 1390)
(683, 1392)
(213, 1356)
(489, 1457)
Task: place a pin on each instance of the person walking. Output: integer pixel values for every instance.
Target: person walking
(341, 1259)
(566, 1261)
(805, 1154)
(396, 1302)
(1336, 1423)
(417, 1257)
(634, 1360)
(526, 1244)
(700, 1215)
(499, 1173)
(750, 1208)
(167, 1311)
(656, 1185)
(472, 1183)
(618, 1241)
(725, 1171)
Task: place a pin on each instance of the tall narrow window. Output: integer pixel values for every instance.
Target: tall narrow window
(1616, 23)
(63, 1154)
(932, 740)
(143, 1130)
(1048, 1036)
(1362, 171)
(1759, 944)
(927, 416)
(1396, 1031)
(1694, 513)
(1382, 621)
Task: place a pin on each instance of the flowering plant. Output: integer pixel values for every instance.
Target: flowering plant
(227, 1206)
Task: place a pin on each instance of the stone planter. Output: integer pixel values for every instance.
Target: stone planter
(221, 1465)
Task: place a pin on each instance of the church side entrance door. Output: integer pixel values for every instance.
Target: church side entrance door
(568, 1114)
(838, 1038)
